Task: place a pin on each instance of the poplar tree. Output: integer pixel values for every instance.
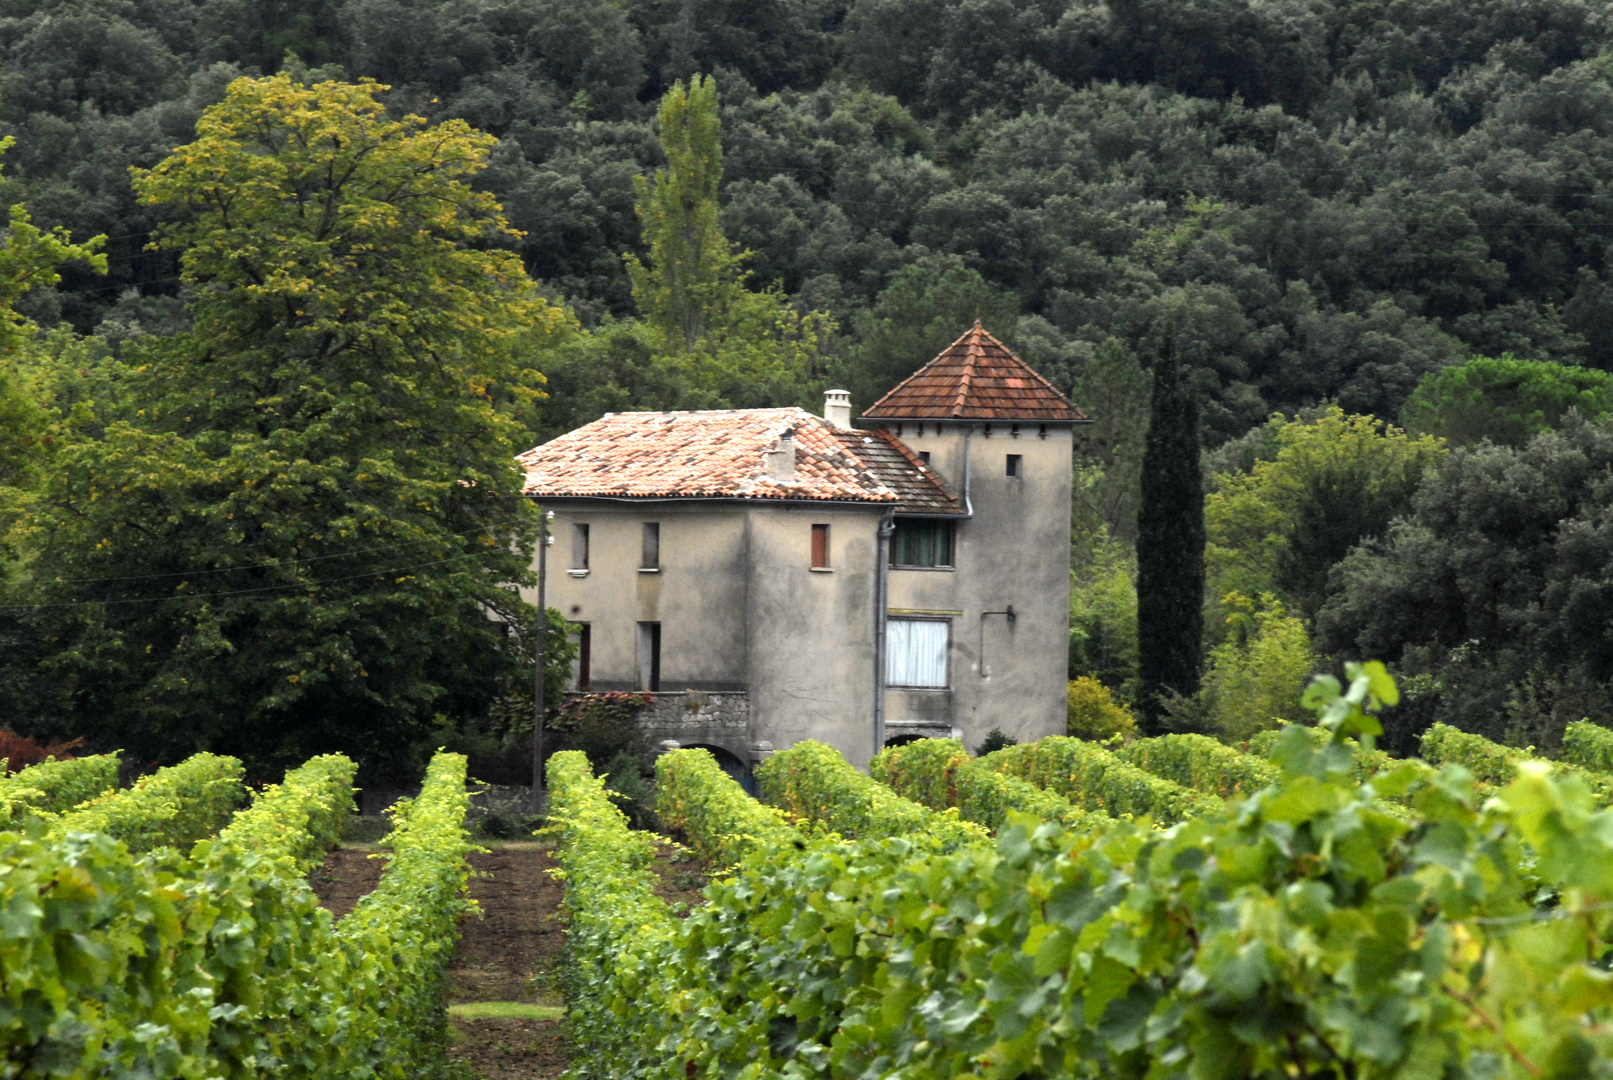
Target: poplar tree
(1170, 543)
(719, 343)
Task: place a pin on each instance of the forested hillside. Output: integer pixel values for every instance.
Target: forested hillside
(257, 442)
(1336, 198)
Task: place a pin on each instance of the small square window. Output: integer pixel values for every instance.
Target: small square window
(1013, 464)
(820, 547)
(924, 456)
(650, 558)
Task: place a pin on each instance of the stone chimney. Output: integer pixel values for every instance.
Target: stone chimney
(837, 407)
(780, 461)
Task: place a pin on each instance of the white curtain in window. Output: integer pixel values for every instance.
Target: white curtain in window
(916, 652)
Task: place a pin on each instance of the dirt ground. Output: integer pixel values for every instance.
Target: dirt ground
(347, 874)
(511, 953)
(683, 878)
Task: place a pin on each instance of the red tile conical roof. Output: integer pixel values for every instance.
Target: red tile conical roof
(975, 378)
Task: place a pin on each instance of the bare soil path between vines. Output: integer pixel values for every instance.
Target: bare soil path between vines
(512, 952)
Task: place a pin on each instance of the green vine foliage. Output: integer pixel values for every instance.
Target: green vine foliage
(813, 783)
(940, 774)
(402, 935)
(708, 809)
(1369, 760)
(222, 963)
(1201, 763)
(53, 787)
(1589, 746)
(1094, 778)
(1310, 933)
(299, 819)
(1497, 765)
(171, 807)
(621, 995)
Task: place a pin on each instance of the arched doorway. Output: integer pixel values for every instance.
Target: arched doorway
(730, 763)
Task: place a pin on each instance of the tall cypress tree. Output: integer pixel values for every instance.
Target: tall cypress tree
(1170, 543)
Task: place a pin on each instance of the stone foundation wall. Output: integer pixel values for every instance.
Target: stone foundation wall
(719, 718)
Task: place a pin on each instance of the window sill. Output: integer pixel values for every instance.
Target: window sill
(649, 569)
(577, 573)
(943, 569)
(924, 689)
(821, 569)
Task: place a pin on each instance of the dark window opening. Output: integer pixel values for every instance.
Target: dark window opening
(922, 543)
(585, 654)
(649, 656)
(820, 547)
(1013, 464)
(579, 547)
(651, 559)
(924, 456)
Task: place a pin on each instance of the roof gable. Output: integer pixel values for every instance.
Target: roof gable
(975, 378)
(723, 454)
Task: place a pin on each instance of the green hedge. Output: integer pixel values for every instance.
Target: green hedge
(940, 774)
(172, 807)
(1095, 779)
(1589, 746)
(1201, 763)
(1497, 765)
(621, 938)
(696, 799)
(222, 963)
(53, 787)
(813, 783)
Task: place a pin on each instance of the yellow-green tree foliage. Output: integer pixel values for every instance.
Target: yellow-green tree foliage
(311, 504)
(1335, 480)
(28, 260)
(723, 343)
(1256, 674)
(1095, 714)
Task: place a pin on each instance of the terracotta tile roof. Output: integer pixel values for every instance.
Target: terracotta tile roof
(918, 489)
(975, 378)
(723, 454)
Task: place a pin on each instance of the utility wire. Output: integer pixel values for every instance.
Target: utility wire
(233, 569)
(239, 592)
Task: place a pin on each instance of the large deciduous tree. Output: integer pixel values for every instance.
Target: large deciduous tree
(1170, 543)
(309, 537)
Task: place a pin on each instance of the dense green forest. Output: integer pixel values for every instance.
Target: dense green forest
(1327, 208)
(1344, 196)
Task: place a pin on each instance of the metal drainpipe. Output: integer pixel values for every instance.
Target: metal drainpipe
(887, 526)
(968, 507)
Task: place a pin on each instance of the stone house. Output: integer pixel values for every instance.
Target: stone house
(777, 576)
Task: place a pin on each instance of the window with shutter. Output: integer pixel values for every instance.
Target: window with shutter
(820, 547)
